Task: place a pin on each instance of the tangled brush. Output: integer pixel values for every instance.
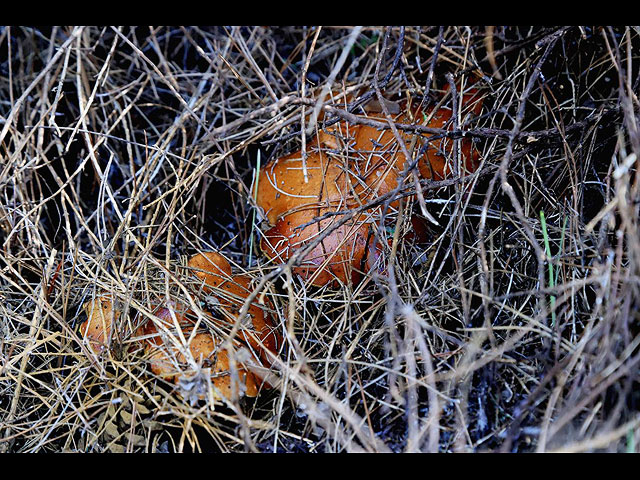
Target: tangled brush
(439, 223)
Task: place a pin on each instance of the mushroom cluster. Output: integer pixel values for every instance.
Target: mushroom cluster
(307, 196)
(175, 327)
(321, 201)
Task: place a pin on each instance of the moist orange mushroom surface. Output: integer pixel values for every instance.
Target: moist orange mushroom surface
(101, 319)
(342, 255)
(210, 267)
(228, 292)
(174, 320)
(168, 362)
(351, 166)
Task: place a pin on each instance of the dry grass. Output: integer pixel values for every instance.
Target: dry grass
(123, 150)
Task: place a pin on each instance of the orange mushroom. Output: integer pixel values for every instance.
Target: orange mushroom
(211, 267)
(352, 165)
(228, 293)
(343, 255)
(168, 362)
(101, 319)
(224, 294)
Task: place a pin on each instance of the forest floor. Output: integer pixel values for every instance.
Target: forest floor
(509, 324)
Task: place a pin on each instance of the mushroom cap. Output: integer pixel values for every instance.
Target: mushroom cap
(262, 334)
(433, 163)
(166, 361)
(229, 292)
(101, 318)
(223, 380)
(343, 255)
(210, 267)
(282, 187)
(332, 186)
(352, 165)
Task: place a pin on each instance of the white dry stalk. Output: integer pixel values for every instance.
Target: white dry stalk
(311, 125)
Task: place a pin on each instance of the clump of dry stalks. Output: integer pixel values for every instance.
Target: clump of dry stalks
(124, 150)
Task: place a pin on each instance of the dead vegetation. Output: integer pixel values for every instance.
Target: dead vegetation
(123, 151)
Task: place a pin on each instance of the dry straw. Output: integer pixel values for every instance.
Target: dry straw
(124, 150)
